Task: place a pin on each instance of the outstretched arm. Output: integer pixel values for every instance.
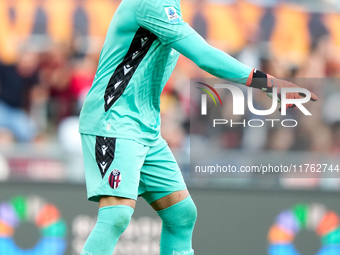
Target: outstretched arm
(163, 18)
(212, 60)
(222, 65)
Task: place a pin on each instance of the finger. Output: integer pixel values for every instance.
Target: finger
(313, 96)
(292, 95)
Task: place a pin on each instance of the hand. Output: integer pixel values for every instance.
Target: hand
(266, 83)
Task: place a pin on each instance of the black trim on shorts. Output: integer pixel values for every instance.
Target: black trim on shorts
(105, 153)
(121, 77)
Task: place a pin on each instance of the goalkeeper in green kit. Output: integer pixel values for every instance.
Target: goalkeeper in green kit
(124, 152)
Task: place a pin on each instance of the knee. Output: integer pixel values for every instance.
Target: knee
(117, 217)
(190, 213)
(123, 219)
(182, 213)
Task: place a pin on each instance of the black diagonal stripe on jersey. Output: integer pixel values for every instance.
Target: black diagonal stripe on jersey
(105, 153)
(121, 77)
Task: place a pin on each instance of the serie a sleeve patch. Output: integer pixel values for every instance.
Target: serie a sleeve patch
(172, 15)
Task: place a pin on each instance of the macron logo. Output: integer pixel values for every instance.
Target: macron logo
(86, 253)
(144, 40)
(127, 69)
(104, 148)
(103, 165)
(181, 252)
(117, 84)
(110, 98)
(134, 55)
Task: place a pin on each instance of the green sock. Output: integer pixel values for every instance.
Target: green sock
(178, 224)
(111, 223)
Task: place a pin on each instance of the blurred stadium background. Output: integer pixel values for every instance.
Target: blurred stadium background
(48, 55)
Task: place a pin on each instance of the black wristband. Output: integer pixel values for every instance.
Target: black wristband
(259, 79)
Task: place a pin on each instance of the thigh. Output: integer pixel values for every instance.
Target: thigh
(112, 167)
(112, 201)
(169, 200)
(160, 173)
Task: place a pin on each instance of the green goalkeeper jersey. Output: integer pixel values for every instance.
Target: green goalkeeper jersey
(137, 60)
(135, 63)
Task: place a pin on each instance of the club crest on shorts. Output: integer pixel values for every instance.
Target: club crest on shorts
(115, 179)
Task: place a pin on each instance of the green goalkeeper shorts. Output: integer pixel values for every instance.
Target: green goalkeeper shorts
(126, 168)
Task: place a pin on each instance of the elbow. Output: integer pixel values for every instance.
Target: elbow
(203, 60)
(208, 67)
(202, 63)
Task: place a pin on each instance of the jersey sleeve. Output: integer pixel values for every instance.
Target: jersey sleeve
(212, 60)
(163, 18)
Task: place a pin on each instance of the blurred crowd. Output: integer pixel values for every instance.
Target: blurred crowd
(44, 82)
(40, 91)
